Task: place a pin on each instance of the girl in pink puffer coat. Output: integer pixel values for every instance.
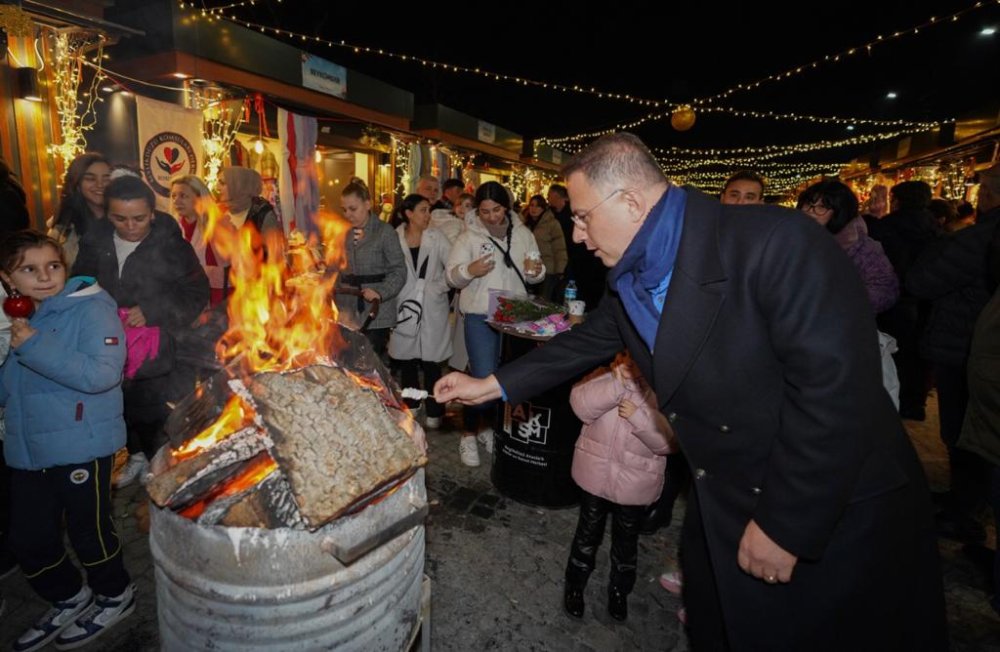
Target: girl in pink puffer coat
(619, 464)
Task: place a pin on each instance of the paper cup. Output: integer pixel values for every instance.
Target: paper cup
(576, 308)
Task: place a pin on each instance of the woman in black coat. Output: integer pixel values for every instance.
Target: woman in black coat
(144, 262)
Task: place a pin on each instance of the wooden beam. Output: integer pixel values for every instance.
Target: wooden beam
(165, 64)
(468, 143)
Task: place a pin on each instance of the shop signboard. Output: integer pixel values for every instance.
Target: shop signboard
(487, 132)
(324, 76)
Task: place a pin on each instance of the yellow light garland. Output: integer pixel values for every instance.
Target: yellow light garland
(69, 50)
(496, 76)
(848, 52)
(665, 115)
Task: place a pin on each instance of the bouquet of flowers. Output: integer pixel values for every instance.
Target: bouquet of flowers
(527, 314)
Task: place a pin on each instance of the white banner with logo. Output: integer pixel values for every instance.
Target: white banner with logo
(169, 145)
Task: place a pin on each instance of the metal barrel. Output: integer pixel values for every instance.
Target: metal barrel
(220, 588)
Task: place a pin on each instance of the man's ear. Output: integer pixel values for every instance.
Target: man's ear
(636, 204)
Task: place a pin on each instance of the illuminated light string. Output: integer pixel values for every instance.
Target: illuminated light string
(864, 48)
(496, 76)
(740, 113)
(67, 80)
(772, 187)
(721, 177)
(765, 168)
(752, 155)
(217, 11)
(772, 151)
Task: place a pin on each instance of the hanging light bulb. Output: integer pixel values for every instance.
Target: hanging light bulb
(319, 156)
(259, 146)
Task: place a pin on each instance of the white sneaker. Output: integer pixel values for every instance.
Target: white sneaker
(55, 620)
(136, 467)
(432, 423)
(485, 438)
(104, 614)
(468, 450)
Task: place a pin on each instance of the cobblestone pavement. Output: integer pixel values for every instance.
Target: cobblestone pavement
(496, 568)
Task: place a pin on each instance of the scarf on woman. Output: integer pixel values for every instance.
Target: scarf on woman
(643, 274)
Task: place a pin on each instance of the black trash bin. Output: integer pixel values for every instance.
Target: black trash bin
(533, 441)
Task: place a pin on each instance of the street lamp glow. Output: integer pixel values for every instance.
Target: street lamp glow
(850, 127)
(988, 31)
(891, 95)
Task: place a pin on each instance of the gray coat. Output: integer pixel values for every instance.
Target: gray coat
(377, 253)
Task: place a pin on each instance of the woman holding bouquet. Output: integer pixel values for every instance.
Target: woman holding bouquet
(495, 252)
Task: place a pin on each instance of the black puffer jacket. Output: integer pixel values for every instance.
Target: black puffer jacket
(164, 278)
(953, 274)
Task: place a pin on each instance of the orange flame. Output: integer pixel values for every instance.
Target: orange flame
(281, 312)
(236, 415)
(257, 472)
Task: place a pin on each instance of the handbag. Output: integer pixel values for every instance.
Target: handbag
(411, 309)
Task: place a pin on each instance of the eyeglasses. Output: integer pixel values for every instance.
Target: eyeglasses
(817, 208)
(583, 219)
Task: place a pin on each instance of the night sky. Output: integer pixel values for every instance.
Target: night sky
(675, 51)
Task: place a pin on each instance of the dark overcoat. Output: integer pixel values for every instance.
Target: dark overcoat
(766, 362)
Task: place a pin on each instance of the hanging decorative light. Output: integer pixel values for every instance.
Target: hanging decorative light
(682, 118)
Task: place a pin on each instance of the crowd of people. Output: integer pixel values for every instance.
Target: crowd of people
(730, 345)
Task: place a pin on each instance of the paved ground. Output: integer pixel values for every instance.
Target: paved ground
(497, 567)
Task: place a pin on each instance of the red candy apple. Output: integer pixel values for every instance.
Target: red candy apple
(18, 306)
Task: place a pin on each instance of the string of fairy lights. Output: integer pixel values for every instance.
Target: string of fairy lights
(864, 48)
(695, 160)
(219, 12)
(220, 9)
(743, 113)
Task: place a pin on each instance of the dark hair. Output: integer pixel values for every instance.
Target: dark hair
(538, 199)
(745, 175)
(358, 188)
(494, 192)
(73, 210)
(837, 196)
(944, 211)
(127, 188)
(409, 203)
(965, 209)
(467, 195)
(912, 194)
(452, 183)
(13, 245)
(560, 190)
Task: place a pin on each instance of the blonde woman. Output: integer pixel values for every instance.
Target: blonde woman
(191, 201)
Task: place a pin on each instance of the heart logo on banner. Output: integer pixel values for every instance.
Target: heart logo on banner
(171, 154)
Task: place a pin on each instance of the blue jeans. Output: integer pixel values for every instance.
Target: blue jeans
(483, 346)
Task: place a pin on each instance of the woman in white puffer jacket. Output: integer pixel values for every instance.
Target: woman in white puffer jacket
(489, 255)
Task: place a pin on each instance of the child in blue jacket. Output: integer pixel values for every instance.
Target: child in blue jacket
(61, 386)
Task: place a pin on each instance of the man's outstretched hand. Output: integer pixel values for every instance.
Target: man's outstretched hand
(465, 389)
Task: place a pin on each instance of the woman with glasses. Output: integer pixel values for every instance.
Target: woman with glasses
(833, 205)
(495, 252)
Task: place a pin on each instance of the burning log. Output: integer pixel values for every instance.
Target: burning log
(334, 440)
(267, 503)
(186, 481)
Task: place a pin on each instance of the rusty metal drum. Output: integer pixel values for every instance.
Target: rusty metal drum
(221, 588)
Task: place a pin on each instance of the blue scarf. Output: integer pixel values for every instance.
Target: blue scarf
(643, 273)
